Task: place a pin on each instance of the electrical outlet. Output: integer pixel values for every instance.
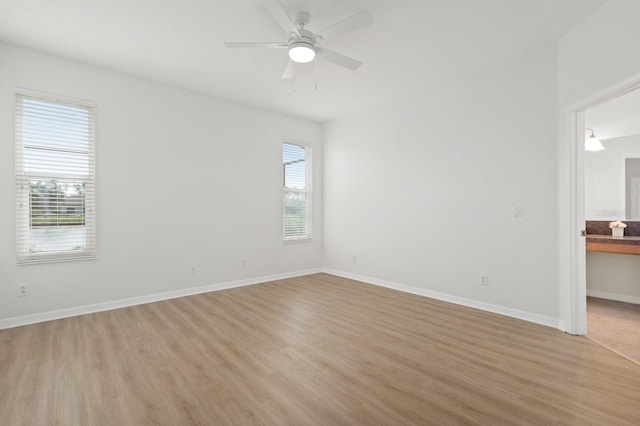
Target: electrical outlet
(354, 259)
(23, 290)
(194, 269)
(243, 263)
(484, 280)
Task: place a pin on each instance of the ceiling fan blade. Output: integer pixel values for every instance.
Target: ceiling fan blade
(290, 70)
(242, 44)
(352, 23)
(281, 16)
(338, 59)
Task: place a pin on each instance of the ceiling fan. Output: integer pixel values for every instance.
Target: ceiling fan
(302, 44)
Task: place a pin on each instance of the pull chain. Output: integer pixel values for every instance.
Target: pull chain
(315, 74)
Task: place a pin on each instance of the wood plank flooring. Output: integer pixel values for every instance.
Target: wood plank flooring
(315, 350)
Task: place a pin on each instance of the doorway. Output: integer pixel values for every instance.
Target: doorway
(571, 239)
(611, 192)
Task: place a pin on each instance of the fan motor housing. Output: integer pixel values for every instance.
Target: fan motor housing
(305, 36)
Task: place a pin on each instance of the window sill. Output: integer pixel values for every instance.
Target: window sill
(35, 260)
(298, 240)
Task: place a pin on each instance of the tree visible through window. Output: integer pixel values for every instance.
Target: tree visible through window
(56, 203)
(55, 179)
(296, 176)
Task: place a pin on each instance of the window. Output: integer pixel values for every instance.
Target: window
(55, 179)
(296, 197)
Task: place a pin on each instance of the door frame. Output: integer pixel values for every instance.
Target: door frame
(571, 244)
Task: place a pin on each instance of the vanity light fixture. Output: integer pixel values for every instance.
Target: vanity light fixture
(591, 143)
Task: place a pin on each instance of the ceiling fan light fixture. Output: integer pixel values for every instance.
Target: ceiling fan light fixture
(302, 52)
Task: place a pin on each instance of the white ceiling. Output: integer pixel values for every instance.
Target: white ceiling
(180, 42)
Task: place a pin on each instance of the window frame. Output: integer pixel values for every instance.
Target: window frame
(307, 191)
(23, 179)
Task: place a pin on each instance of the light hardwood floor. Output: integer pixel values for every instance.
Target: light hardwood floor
(315, 350)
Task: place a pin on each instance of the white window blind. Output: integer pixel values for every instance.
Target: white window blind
(297, 195)
(55, 179)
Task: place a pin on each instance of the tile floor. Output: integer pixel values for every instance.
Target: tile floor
(615, 325)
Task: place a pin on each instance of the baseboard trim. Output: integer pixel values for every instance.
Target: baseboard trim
(614, 296)
(488, 307)
(157, 297)
(141, 300)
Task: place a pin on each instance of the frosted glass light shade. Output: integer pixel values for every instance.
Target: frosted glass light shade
(302, 53)
(593, 144)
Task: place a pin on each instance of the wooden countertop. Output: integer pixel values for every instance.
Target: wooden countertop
(610, 244)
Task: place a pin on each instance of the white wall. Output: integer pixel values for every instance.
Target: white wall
(422, 189)
(605, 186)
(182, 179)
(596, 55)
(593, 58)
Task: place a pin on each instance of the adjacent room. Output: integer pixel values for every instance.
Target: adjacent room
(307, 212)
(612, 210)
